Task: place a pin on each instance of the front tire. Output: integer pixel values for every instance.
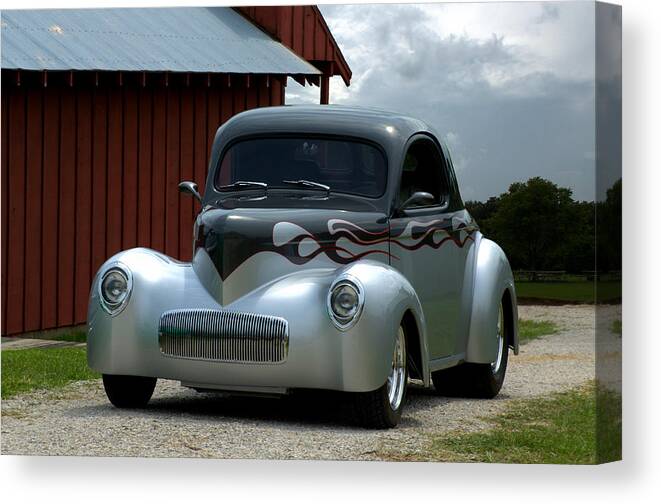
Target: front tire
(477, 380)
(128, 391)
(382, 408)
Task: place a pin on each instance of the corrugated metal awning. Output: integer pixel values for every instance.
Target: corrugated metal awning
(196, 39)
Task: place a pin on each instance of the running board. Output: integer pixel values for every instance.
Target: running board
(446, 362)
(238, 389)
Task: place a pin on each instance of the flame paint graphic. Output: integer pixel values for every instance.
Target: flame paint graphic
(300, 246)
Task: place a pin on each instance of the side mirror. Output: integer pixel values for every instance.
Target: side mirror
(417, 198)
(191, 188)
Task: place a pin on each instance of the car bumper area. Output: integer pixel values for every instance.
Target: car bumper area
(264, 342)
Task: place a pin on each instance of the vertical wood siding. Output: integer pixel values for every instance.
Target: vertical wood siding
(303, 29)
(89, 170)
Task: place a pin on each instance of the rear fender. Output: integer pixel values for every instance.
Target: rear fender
(493, 278)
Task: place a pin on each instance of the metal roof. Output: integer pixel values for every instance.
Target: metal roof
(186, 39)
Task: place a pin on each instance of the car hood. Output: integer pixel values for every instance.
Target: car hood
(304, 237)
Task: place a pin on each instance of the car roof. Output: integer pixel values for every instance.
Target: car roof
(388, 129)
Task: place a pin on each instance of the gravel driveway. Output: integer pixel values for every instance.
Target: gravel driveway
(78, 420)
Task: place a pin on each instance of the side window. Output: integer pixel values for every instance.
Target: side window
(424, 170)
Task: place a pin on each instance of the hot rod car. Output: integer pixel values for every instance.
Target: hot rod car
(332, 251)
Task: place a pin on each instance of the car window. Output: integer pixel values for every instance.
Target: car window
(424, 170)
(346, 166)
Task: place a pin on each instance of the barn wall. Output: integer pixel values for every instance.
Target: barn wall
(90, 166)
(297, 26)
(303, 29)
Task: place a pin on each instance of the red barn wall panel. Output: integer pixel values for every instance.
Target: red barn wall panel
(320, 40)
(286, 25)
(83, 207)
(298, 23)
(33, 198)
(200, 141)
(114, 174)
(272, 90)
(130, 170)
(145, 146)
(172, 173)
(91, 169)
(238, 96)
(252, 94)
(186, 163)
(16, 212)
(263, 92)
(99, 176)
(5, 206)
(67, 209)
(303, 29)
(267, 16)
(226, 102)
(50, 209)
(83, 245)
(309, 24)
(159, 144)
(213, 109)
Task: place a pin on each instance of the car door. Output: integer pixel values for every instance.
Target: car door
(423, 243)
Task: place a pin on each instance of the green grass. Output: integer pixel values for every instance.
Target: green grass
(616, 327)
(609, 426)
(533, 329)
(561, 429)
(42, 368)
(78, 336)
(573, 292)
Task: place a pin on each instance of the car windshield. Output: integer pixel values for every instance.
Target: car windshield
(310, 164)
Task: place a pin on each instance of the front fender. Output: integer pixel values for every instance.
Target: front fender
(123, 344)
(493, 278)
(320, 355)
(364, 350)
(388, 297)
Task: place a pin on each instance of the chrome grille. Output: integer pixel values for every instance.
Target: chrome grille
(223, 336)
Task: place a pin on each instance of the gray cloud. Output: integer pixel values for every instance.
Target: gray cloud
(504, 115)
(608, 97)
(550, 13)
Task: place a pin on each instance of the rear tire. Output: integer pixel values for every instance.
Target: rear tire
(128, 391)
(477, 380)
(382, 408)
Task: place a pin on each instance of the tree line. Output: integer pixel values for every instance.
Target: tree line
(541, 227)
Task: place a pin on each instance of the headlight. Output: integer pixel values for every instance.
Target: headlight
(115, 288)
(345, 302)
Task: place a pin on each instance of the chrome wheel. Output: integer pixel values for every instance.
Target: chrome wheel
(500, 336)
(397, 377)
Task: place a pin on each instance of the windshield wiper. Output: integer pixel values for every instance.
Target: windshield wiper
(309, 184)
(244, 184)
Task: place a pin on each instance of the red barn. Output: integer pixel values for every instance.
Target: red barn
(105, 111)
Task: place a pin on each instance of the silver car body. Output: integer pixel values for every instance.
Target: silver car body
(258, 270)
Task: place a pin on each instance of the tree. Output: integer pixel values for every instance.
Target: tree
(578, 254)
(540, 226)
(533, 223)
(482, 211)
(609, 225)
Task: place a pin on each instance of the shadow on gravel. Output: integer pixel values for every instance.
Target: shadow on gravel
(301, 408)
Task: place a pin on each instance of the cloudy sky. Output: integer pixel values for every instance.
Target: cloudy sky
(508, 86)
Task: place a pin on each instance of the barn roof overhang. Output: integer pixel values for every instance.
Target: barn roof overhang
(173, 40)
(303, 29)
